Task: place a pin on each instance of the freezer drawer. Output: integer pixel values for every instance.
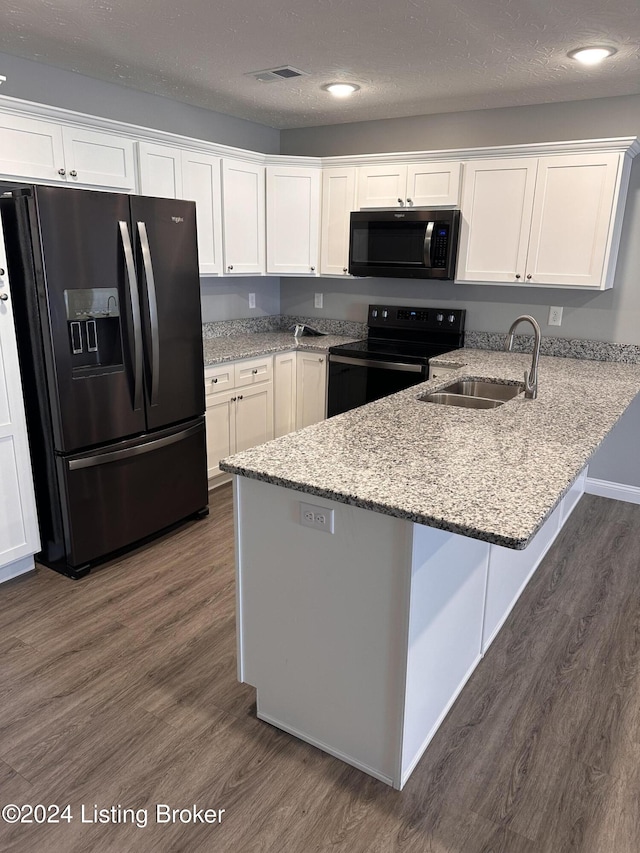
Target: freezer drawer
(131, 490)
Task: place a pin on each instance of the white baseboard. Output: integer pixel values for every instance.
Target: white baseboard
(615, 491)
(18, 567)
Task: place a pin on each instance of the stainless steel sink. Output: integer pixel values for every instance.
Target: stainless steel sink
(473, 394)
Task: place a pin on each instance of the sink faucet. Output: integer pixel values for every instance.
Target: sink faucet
(530, 376)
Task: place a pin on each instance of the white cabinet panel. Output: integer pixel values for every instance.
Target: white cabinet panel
(338, 200)
(243, 217)
(201, 183)
(433, 184)
(572, 215)
(284, 393)
(220, 426)
(311, 388)
(30, 148)
(99, 159)
(497, 199)
(19, 536)
(160, 170)
(254, 416)
(382, 186)
(293, 219)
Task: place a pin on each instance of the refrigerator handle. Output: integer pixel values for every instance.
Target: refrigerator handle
(134, 299)
(153, 311)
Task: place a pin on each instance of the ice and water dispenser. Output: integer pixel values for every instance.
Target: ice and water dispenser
(93, 321)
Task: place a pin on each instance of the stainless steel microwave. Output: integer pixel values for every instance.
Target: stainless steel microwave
(404, 243)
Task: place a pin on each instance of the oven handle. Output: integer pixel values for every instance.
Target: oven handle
(385, 365)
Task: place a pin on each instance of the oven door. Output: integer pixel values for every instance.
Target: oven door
(356, 381)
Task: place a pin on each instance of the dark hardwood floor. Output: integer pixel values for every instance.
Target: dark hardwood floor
(119, 690)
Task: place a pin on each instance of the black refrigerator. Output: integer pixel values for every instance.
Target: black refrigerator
(106, 296)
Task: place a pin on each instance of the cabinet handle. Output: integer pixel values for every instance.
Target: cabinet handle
(409, 201)
(529, 276)
(230, 267)
(345, 269)
(4, 297)
(1, 271)
(73, 173)
(239, 396)
(233, 399)
(517, 275)
(254, 371)
(320, 360)
(61, 172)
(214, 380)
(401, 202)
(313, 269)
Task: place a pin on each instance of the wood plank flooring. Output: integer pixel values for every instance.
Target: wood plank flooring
(120, 690)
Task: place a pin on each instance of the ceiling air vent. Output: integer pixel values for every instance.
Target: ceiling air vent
(283, 72)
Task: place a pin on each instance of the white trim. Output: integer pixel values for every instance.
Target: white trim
(18, 567)
(615, 491)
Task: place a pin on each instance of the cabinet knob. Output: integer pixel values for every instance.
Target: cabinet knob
(517, 275)
(73, 173)
(239, 396)
(230, 267)
(1, 271)
(214, 380)
(409, 201)
(529, 276)
(345, 269)
(254, 371)
(313, 269)
(4, 297)
(320, 360)
(62, 172)
(233, 399)
(401, 202)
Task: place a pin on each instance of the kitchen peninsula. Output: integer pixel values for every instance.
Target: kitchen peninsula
(360, 632)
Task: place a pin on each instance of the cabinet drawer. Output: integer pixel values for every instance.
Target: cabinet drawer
(218, 378)
(253, 370)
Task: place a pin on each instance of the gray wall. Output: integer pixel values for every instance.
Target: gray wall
(228, 298)
(610, 316)
(43, 84)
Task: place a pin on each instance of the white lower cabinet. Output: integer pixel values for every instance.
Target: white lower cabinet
(284, 396)
(19, 539)
(311, 388)
(239, 409)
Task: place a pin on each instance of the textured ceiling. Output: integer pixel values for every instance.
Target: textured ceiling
(410, 57)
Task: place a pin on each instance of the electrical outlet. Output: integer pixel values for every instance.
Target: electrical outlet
(555, 316)
(318, 301)
(316, 517)
(252, 300)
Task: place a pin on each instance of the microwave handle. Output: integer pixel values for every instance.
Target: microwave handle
(428, 234)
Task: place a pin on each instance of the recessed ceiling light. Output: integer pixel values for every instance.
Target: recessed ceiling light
(591, 55)
(341, 90)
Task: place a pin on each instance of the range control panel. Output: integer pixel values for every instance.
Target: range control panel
(425, 319)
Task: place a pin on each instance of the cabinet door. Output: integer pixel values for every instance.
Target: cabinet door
(254, 416)
(220, 423)
(338, 200)
(496, 208)
(311, 388)
(284, 393)
(201, 183)
(433, 184)
(99, 159)
(18, 520)
(293, 219)
(572, 213)
(160, 170)
(243, 217)
(30, 148)
(382, 186)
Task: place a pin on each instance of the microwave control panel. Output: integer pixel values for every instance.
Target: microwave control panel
(440, 244)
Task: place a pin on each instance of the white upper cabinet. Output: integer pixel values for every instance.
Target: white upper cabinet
(243, 217)
(293, 220)
(39, 150)
(176, 173)
(409, 185)
(544, 221)
(497, 201)
(338, 200)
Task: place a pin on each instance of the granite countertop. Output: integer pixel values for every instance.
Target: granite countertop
(492, 474)
(233, 347)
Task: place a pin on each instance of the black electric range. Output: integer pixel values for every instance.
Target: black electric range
(394, 355)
